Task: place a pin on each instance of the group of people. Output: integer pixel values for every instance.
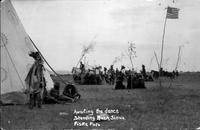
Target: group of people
(38, 94)
(117, 76)
(36, 85)
(82, 75)
(133, 79)
(110, 76)
(69, 94)
(172, 75)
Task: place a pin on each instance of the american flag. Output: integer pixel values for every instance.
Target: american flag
(172, 13)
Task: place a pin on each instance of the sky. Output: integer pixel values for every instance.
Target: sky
(60, 29)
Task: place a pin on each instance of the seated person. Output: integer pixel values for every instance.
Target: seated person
(48, 99)
(71, 91)
(55, 92)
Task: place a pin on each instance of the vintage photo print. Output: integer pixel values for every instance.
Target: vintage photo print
(100, 65)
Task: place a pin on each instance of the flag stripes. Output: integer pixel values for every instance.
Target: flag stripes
(172, 13)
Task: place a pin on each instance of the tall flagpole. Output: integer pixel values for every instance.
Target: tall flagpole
(163, 38)
(161, 58)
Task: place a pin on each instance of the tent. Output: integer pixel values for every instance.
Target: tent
(15, 60)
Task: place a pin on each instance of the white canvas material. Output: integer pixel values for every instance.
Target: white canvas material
(15, 60)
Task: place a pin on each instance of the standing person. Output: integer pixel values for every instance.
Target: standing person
(111, 73)
(35, 81)
(97, 75)
(144, 72)
(82, 74)
(123, 69)
(119, 79)
(82, 67)
(116, 72)
(105, 75)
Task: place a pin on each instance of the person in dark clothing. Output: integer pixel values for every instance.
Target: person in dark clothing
(135, 81)
(71, 91)
(130, 81)
(111, 75)
(105, 75)
(55, 92)
(48, 99)
(119, 80)
(143, 72)
(176, 73)
(82, 68)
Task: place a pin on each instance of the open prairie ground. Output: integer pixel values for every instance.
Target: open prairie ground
(174, 106)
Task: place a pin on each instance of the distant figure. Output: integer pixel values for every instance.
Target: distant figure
(35, 81)
(123, 69)
(155, 74)
(177, 73)
(135, 81)
(168, 74)
(104, 70)
(117, 71)
(161, 72)
(82, 67)
(98, 74)
(130, 81)
(143, 72)
(119, 79)
(105, 75)
(111, 75)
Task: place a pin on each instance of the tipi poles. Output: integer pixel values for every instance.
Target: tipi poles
(49, 64)
(14, 66)
(178, 59)
(131, 62)
(80, 60)
(86, 50)
(150, 63)
(156, 59)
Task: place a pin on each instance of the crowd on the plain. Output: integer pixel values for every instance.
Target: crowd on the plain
(122, 79)
(117, 77)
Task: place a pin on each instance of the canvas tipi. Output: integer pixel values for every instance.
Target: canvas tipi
(15, 60)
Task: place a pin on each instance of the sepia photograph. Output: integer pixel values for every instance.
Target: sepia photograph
(100, 65)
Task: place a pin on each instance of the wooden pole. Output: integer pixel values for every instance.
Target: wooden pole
(156, 59)
(150, 63)
(80, 60)
(163, 38)
(84, 52)
(64, 81)
(131, 61)
(161, 58)
(178, 58)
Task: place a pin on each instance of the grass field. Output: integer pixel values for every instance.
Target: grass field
(174, 107)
